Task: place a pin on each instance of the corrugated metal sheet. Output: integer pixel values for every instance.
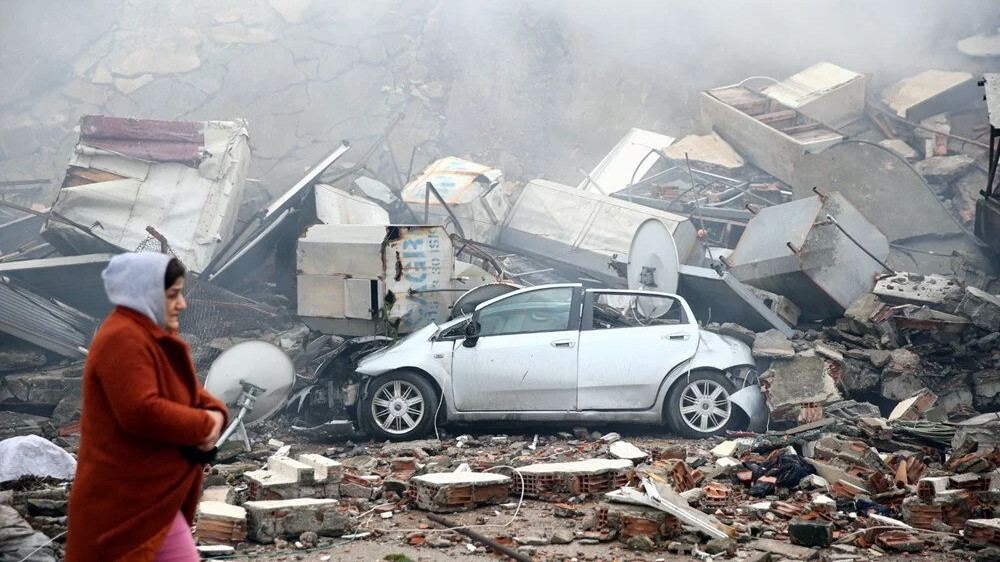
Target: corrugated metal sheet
(146, 139)
(74, 280)
(44, 322)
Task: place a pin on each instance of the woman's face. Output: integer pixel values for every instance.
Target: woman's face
(175, 304)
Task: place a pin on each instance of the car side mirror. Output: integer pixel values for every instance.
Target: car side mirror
(471, 333)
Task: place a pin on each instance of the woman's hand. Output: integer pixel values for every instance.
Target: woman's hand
(209, 441)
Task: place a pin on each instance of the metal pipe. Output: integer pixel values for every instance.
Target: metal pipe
(858, 244)
(437, 195)
(489, 543)
(232, 427)
(919, 126)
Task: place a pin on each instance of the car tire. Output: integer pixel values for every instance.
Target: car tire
(698, 405)
(400, 406)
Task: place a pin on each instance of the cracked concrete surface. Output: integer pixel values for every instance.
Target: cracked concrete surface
(539, 89)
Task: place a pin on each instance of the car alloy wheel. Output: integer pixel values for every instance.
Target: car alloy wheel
(705, 406)
(397, 407)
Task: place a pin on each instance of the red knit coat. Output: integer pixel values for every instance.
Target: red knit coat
(141, 404)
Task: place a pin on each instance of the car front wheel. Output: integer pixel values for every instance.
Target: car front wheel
(699, 406)
(400, 406)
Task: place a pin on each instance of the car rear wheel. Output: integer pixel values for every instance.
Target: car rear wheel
(400, 406)
(699, 406)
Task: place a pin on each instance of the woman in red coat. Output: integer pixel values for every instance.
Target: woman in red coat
(147, 426)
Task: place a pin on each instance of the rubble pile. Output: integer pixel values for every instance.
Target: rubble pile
(825, 226)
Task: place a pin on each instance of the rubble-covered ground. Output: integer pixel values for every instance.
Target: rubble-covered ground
(884, 436)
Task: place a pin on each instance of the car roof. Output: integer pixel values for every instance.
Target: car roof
(571, 286)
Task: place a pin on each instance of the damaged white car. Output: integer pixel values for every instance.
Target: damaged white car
(563, 353)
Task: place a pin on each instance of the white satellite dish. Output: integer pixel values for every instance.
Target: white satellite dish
(253, 379)
(652, 259)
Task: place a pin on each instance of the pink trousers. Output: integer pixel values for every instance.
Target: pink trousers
(179, 544)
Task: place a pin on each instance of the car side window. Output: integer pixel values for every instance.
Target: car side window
(623, 310)
(544, 310)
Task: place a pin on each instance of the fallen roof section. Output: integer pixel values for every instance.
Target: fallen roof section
(44, 322)
(183, 178)
(627, 162)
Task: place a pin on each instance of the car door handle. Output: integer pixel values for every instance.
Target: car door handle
(563, 343)
(677, 337)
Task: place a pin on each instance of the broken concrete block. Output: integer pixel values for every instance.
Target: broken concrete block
(270, 520)
(900, 147)
(897, 386)
(782, 548)
(446, 492)
(810, 532)
(13, 359)
(745, 335)
(287, 478)
(325, 470)
(773, 344)
(986, 387)
(983, 531)
(945, 169)
(47, 387)
(912, 407)
(800, 381)
(860, 376)
(935, 291)
(220, 523)
(868, 315)
(14, 424)
(627, 451)
(592, 476)
(628, 521)
(982, 308)
(829, 352)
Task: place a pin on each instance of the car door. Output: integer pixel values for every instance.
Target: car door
(525, 358)
(629, 341)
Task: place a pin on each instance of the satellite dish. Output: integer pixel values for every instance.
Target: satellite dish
(252, 378)
(653, 263)
(467, 303)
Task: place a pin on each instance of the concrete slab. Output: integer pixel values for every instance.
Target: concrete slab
(270, 520)
(627, 451)
(447, 492)
(773, 344)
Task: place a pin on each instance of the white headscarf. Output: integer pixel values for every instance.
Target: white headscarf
(135, 280)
